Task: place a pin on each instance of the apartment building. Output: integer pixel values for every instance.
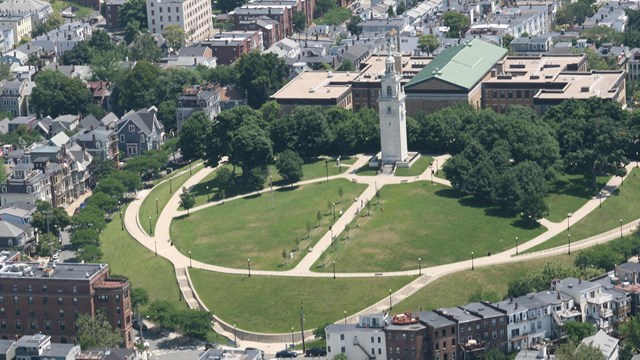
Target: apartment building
(440, 336)
(405, 338)
(591, 298)
(14, 96)
(112, 8)
(38, 10)
(25, 184)
(48, 297)
(19, 23)
(364, 340)
(64, 38)
(198, 98)
(192, 16)
(228, 46)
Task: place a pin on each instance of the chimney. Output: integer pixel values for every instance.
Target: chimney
(580, 281)
(93, 137)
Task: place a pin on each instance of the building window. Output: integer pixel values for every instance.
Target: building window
(61, 312)
(388, 90)
(3, 324)
(342, 337)
(60, 288)
(1, 299)
(59, 301)
(63, 326)
(33, 325)
(16, 300)
(45, 300)
(30, 299)
(18, 324)
(132, 128)
(122, 138)
(47, 325)
(75, 301)
(2, 311)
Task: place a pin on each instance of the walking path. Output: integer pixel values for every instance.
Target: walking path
(161, 242)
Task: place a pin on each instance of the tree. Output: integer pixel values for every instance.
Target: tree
(400, 9)
(340, 193)
(346, 65)
(167, 114)
(576, 331)
(569, 351)
(289, 165)
(136, 88)
(56, 94)
(105, 65)
(194, 323)
(144, 47)
(84, 237)
(132, 181)
(161, 311)
(254, 179)
(323, 6)
(251, 149)
(260, 76)
(103, 202)
(319, 218)
(133, 11)
(284, 257)
(630, 333)
(305, 130)
(90, 254)
(352, 25)
(131, 31)
(299, 21)
(224, 179)
(428, 43)
(227, 5)
(47, 245)
(46, 218)
(174, 35)
(96, 332)
(602, 34)
(187, 199)
(390, 12)
(139, 296)
(53, 22)
(456, 22)
(506, 40)
(111, 186)
(495, 354)
(79, 55)
(271, 111)
(193, 136)
(90, 218)
(341, 356)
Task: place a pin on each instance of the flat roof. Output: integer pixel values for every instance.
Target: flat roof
(375, 65)
(539, 69)
(602, 84)
(317, 85)
(62, 271)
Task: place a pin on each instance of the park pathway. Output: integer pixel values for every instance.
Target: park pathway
(161, 242)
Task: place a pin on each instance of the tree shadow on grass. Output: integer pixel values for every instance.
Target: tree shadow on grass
(578, 187)
(288, 188)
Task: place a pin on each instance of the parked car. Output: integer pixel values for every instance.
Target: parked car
(211, 345)
(286, 354)
(316, 351)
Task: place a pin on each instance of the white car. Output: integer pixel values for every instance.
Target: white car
(137, 342)
(55, 256)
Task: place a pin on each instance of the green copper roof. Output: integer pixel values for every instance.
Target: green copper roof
(463, 65)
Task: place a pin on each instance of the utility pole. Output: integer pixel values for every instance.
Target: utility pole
(302, 326)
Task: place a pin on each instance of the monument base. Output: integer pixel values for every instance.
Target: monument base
(389, 168)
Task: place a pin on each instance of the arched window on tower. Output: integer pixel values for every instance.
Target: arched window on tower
(388, 90)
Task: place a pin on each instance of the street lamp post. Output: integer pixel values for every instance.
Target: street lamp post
(249, 266)
(207, 193)
(271, 185)
(150, 229)
(170, 185)
(637, 160)
(334, 269)
(190, 173)
(121, 221)
(516, 245)
(157, 208)
(420, 266)
(600, 206)
(345, 316)
(331, 231)
(235, 336)
(292, 341)
(155, 245)
(302, 326)
(569, 215)
(472, 265)
(569, 246)
(190, 264)
(390, 303)
(620, 228)
(334, 211)
(326, 165)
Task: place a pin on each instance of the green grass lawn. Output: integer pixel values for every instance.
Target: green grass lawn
(194, 167)
(161, 192)
(428, 221)
(418, 167)
(312, 169)
(456, 289)
(82, 12)
(228, 234)
(272, 304)
(365, 170)
(622, 204)
(568, 193)
(127, 257)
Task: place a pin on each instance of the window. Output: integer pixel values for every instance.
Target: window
(30, 299)
(32, 325)
(15, 288)
(3, 324)
(47, 325)
(29, 288)
(132, 128)
(59, 301)
(60, 289)
(16, 300)
(61, 312)
(1, 299)
(122, 138)
(75, 301)
(63, 326)
(45, 300)
(2, 311)
(342, 337)
(388, 90)
(18, 324)
(342, 350)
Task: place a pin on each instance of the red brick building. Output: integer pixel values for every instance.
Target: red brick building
(112, 7)
(228, 46)
(48, 297)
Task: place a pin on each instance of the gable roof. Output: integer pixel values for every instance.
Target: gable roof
(9, 230)
(143, 119)
(60, 139)
(602, 341)
(463, 65)
(89, 122)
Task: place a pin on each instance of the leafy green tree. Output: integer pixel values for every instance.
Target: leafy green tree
(111, 186)
(47, 245)
(131, 31)
(390, 12)
(174, 35)
(167, 114)
(96, 332)
(223, 74)
(401, 8)
(289, 165)
(79, 55)
(569, 351)
(46, 218)
(271, 111)
(352, 25)
(145, 48)
(299, 21)
(187, 199)
(428, 43)
(131, 180)
(305, 130)
(335, 17)
(85, 237)
(252, 149)
(133, 11)
(480, 295)
(136, 88)
(341, 356)
(254, 178)
(194, 323)
(576, 330)
(600, 34)
(260, 75)
(89, 218)
(540, 279)
(224, 179)
(161, 311)
(56, 94)
(105, 65)
(506, 40)
(600, 256)
(193, 136)
(139, 296)
(457, 23)
(89, 254)
(630, 334)
(53, 22)
(103, 202)
(100, 40)
(495, 354)
(347, 65)
(322, 6)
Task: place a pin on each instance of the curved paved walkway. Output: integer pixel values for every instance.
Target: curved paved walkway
(161, 239)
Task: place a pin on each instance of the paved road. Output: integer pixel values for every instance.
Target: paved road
(181, 262)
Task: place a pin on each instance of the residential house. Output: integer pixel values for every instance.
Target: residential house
(25, 184)
(285, 48)
(608, 345)
(16, 236)
(14, 96)
(27, 121)
(109, 121)
(110, 354)
(405, 339)
(19, 23)
(469, 340)
(99, 142)
(358, 341)
(23, 72)
(6, 39)
(230, 97)
(39, 346)
(19, 213)
(440, 336)
(198, 98)
(7, 350)
(356, 54)
(190, 57)
(228, 46)
(89, 122)
(101, 92)
(591, 298)
(38, 10)
(64, 38)
(531, 45)
(139, 131)
(14, 56)
(64, 123)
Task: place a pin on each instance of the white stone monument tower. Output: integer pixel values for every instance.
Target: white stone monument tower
(393, 123)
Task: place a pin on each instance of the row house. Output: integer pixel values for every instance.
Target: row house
(228, 46)
(198, 98)
(592, 299)
(6, 39)
(38, 10)
(112, 8)
(101, 143)
(25, 184)
(307, 7)
(405, 338)
(364, 340)
(65, 38)
(15, 95)
(20, 25)
(247, 13)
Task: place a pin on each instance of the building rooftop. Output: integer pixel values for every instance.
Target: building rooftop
(317, 85)
(463, 65)
(461, 316)
(604, 342)
(62, 271)
(482, 310)
(434, 319)
(602, 84)
(538, 69)
(373, 67)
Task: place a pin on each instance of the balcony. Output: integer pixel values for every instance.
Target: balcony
(605, 313)
(600, 299)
